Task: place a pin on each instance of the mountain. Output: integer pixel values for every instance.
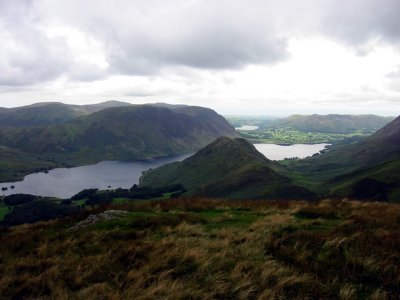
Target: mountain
(91, 108)
(227, 168)
(120, 133)
(15, 164)
(350, 170)
(49, 113)
(334, 123)
(37, 115)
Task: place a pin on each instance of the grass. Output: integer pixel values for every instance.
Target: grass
(4, 209)
(209, 249)
(121, 200)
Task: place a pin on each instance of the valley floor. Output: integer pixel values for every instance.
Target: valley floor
(213, 249)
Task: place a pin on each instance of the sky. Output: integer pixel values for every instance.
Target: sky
(254, 57)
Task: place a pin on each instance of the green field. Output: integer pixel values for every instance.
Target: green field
(298, 129)
(288, 135)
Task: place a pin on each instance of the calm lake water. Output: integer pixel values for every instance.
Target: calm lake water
(278, 152)
(66, 182)
(247, 127)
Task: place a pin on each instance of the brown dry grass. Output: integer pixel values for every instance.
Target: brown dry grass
(210, 249)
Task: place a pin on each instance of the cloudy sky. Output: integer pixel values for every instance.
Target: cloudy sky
(268, 57)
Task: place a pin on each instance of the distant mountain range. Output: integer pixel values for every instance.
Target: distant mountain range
(228, 168)
(121, 132)
(332, 123)
(335, 123)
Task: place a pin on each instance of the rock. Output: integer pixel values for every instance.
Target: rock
(104, 216)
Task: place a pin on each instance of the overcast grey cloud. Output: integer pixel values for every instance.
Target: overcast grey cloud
(142, 38)
(204, 52)
(27, 56)
(358, 21)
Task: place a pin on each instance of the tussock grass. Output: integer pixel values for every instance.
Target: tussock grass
(209, 249)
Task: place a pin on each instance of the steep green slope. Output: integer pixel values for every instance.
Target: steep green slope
(334, 123)
(379, 183)
(229, 168)
(120, 133)
(15, 164)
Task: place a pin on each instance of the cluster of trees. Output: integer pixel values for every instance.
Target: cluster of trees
(29, 208)
(35, 211)
(95, 197)
(18, 199)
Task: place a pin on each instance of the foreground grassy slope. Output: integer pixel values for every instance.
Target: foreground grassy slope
(209, 249)
(228, 168)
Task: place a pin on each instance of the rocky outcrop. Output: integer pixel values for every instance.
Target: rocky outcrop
(104, 216)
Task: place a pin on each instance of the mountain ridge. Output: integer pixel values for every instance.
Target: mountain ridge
(50, 113)
(335, 123)
(227, 168)
(137, 132)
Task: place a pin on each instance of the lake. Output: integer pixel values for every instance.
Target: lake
(66, 182)
(247, 127)
(279, 152)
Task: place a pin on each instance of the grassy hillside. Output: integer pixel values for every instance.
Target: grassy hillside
(119, 133)
(15, 164)
(208, 249)
(229, 168)
(381, 183)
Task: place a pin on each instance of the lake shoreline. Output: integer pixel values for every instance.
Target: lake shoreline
(102, 175)
(64, 182)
